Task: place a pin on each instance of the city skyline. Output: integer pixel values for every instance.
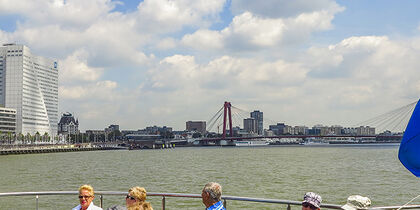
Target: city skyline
(142, 63)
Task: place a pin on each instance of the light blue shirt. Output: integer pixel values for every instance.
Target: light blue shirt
(217, 206)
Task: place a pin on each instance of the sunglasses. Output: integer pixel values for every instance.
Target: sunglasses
(84, 196)
(306, 205)
(130, 197)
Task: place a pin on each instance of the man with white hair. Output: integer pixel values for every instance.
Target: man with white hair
(211, 196)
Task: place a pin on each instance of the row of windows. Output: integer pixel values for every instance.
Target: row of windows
(7, 117)
(12, 55)
(7, 111)
(32, 123)
(47, 71)
(34, 108)
(14, 51)
(4, 129)
(30, 104)
(5, 123)
(32, 114)
(36, 119)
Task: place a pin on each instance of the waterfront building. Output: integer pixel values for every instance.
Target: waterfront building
(288, 130)
(277, 129)
(157, 130)
(68, 125)
(268, 133)
(350, 131)
(365, 130)
(7, 120)
(199, 126)
(29, 84)
(96, 135)
(300, 130)
(112, 128)
(250, 125)
(320, 130)
(258, 116)
(336, 130)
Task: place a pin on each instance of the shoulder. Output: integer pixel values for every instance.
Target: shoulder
(77, 207)
(93, 207)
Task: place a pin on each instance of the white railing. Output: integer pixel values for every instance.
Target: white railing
(102, 194)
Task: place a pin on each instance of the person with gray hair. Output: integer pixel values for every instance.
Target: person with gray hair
(211, 196)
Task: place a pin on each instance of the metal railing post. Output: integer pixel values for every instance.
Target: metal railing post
(224, 203)
(37, 202)
(163, 202)
(288, 207)
(102, 201)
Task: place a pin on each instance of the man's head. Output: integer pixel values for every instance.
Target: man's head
(86, 195)
(311, 201)
(211, 194)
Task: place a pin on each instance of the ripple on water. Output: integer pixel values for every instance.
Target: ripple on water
(263, 172)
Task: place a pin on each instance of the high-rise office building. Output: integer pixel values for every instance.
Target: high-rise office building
(199, 126)
(250, 125)
(258, 116)
(7, 120)
(29, 84)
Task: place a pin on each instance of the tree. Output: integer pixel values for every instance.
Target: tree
(28, 137)
(45, 137)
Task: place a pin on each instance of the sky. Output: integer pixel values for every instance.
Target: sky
(165, 62)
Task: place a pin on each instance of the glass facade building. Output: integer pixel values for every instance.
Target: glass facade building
(259, 118)
(29, 84)
(7, 120)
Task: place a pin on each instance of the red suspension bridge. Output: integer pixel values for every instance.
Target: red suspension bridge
(395, 119)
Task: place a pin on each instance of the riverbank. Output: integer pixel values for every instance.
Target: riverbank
(16, 150)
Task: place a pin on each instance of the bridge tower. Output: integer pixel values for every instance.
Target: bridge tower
(227, 113)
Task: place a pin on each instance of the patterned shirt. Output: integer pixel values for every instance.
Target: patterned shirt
(217, 206)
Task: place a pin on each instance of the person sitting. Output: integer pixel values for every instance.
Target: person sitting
(86, 196)
(136, 199)
(311, 201)
(211, 196)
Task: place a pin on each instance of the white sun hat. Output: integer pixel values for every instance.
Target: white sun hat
(355, 202)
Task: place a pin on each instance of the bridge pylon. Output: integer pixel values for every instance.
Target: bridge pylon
(227, 113)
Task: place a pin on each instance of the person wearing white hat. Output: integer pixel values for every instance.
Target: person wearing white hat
(355, 202)
(311, 201)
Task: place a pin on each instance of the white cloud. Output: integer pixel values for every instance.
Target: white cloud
(75, 68)
(166, 43)
(249, 31)
(204, 40)
(185, 70)
(101, 90)
(282, 8)
(162, 16)
(71, 13)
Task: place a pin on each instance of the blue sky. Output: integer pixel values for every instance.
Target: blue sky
(142, 63)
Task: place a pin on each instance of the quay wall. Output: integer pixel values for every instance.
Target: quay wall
(34, 150)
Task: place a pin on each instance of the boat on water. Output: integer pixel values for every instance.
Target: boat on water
(251, 143)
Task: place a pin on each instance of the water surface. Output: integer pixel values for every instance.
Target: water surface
(281, 172)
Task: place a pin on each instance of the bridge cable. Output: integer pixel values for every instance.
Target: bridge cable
(404, 118)
(391, 119)
(395, 116)
(380, 117)
(212, 121)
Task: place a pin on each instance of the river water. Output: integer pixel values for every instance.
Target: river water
(279, 172)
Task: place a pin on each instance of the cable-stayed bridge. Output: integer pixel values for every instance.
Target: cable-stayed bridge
(228, 115)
